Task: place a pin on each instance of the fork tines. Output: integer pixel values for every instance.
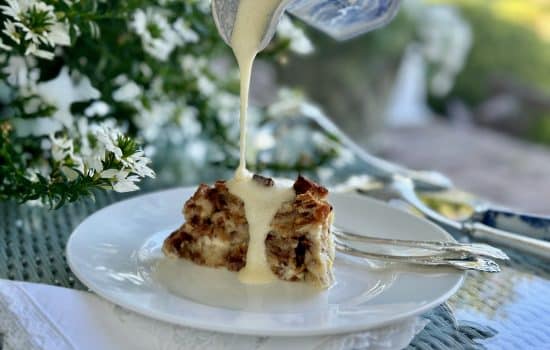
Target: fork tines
(440, 253)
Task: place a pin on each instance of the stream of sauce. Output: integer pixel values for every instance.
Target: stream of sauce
(260, 202)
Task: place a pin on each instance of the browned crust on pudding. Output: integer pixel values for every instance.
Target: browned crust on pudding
(215, 232)
(299, 246)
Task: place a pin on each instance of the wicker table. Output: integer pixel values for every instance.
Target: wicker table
(506, 310)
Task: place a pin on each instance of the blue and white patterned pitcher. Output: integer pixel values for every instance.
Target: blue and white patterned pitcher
(341, 19)
(344, 19)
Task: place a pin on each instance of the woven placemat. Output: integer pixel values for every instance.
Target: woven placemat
(32, 248)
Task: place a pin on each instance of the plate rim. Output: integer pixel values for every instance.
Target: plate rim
(288, 332)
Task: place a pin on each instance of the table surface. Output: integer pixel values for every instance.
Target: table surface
(508, 310)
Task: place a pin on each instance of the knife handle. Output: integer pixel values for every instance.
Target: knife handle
(513, 240)
(536, 226)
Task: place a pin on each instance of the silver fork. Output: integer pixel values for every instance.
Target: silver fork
(461, 256)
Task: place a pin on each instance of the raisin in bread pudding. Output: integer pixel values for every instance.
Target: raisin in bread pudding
(298, 247)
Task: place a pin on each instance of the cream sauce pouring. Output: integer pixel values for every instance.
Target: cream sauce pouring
(260, 202)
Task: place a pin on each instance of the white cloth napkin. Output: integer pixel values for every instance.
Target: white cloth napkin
(37, 316)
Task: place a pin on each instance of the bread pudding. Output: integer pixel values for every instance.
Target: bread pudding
(298, 244)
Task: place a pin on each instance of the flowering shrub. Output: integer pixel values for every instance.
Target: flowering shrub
(84, 83)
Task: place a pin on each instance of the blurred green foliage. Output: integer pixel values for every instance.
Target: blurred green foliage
(539, 130)
(501, 48)
(510, 54)
(511, 46)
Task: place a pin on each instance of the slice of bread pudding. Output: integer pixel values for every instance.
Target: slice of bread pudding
(298, 247)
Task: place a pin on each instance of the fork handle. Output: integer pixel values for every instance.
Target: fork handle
(479, 264)
(438, 246)
(526, 244)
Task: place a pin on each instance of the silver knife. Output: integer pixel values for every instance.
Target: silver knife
(403, 188)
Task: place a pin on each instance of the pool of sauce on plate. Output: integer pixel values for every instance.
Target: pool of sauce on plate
(260, 202)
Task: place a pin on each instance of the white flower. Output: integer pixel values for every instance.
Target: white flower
(145, 70)
(25, 127)
(20, 71)
(120, 79)
(206, 86)
(63, 91)
(150, 120)
(174, 121)
(158, 38)
(15, 7)
(98, 108)
(204, 5)
(263, 139)
(127, 92)
(107, 136)
(109, 173)
(32, 49)
(62, 148)
(288, 102)
(193, 65)
(299, 42)
(187, 118)
(156, 88)
(197, 151)
(127, 184)
(4, 46)
(137, 163)
(31, 174)
(120, 180)
(11, 31)
(187, 34)
(91, 157)
(69, 172)
(89, 160)
(33, 104)
(35, 22)
(184, 124)
(227, 107)
(93, 163)
(59, 34)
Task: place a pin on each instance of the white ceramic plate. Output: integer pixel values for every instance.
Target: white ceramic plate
(116, 252)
